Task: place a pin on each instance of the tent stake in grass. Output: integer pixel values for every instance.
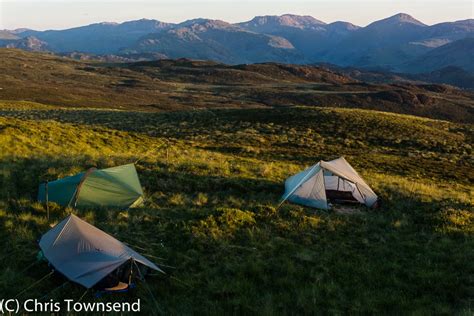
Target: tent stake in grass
(148, 288)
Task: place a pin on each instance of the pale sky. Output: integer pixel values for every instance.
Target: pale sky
(61, 14)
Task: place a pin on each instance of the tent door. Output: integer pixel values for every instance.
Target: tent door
(340, 190)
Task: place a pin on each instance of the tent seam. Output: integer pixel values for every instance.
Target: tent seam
(299, 184)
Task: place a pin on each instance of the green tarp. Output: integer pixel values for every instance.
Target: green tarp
(112, 187)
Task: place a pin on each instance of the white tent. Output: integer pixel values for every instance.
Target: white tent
(310, 186)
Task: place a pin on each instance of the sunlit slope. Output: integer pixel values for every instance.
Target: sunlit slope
(212, 181)
(389, 143)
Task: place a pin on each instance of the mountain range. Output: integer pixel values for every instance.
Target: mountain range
(399, 43)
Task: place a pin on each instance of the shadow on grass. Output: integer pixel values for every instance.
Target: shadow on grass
(283, 135)
(246, 257)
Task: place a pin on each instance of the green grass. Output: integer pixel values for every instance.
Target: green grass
(213, 180)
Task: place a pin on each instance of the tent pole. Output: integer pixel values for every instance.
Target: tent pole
(47, 199)
(324, 185)
(305, 178)
(279, 205)
(131, 272)
(75, 197)
(362, 196)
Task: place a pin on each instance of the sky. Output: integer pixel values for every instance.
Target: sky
(61, 14)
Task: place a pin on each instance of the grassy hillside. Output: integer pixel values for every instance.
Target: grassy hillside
(213, 179)
(185, 85)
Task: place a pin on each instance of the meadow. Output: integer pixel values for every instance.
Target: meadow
(213, 179)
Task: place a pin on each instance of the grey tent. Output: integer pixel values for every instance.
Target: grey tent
(85, 254)
(312, 186)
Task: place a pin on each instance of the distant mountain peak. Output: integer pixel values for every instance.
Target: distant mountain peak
(287, 20)
(147, 23)
(293, 19)
(199, 21)
(201, 25)
(142, 21)
(404, 17)
(107, 23)
(341, 25)
(400, 18)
